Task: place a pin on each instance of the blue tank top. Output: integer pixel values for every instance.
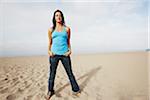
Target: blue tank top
(59, 42)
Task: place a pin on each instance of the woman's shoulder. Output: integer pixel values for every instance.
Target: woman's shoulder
(67, 28)
(50, 29)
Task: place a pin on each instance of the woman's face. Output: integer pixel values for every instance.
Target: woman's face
(58, 17)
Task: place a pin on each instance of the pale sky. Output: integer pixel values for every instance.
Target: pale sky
(96, 26)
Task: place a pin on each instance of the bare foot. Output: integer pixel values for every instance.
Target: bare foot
(76, 94)
(49, 95)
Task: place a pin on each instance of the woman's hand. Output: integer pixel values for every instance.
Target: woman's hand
(67, 53)
(51, 54)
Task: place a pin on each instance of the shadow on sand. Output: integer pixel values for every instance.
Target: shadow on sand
(88, 76)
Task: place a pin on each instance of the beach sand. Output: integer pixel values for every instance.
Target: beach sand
(149, 71)
(103, 76)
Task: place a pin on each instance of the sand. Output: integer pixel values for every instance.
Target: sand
(149, 71)
(103, 76)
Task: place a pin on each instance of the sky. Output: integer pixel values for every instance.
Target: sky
(97, 26)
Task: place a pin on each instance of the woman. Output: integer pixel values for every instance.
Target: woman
(60, 49)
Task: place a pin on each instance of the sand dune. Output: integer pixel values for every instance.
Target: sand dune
(105, 76)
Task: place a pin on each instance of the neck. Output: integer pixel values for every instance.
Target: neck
(58, 25)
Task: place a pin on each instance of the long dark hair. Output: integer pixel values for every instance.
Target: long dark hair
(54, 21)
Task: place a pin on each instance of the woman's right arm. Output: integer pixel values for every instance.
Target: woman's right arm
(50, 41)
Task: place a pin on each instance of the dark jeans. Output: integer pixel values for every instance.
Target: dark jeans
(67, 65)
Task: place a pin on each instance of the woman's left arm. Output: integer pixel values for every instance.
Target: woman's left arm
(68, 41)
(69, 33)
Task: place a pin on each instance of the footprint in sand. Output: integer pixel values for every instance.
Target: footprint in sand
(11, 97)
